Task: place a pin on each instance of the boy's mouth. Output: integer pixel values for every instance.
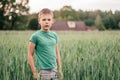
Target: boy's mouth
(46, 25)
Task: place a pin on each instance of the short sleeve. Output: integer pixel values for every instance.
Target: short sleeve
(33, 39)
(57, 38)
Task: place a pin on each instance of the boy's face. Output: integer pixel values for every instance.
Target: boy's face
(46, 21)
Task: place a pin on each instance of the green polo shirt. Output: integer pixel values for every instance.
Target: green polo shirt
(45, 49)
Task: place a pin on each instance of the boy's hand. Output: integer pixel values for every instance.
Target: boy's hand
(35, 76)
(60, 74)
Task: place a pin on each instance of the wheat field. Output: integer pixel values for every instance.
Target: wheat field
(84, 55)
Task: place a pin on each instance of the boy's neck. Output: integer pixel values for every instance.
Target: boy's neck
(45, 30)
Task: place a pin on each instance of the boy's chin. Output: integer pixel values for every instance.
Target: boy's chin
(46, 29)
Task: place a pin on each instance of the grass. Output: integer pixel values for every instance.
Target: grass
(84, 55)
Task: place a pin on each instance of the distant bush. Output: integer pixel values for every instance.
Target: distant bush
(33, 24)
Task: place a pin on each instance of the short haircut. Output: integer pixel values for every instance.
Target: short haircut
(45, 11)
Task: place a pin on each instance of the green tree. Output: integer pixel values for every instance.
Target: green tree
(89, 22)
(110, 22)
(33, 24)
(67, 13)
(82, 15)
(10, 10)
(117, 18)
(99, 23)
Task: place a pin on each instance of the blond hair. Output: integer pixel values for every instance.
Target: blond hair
(44, 12)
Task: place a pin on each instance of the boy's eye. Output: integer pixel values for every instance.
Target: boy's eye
(46, 19)
(49, 19)
(43, 19)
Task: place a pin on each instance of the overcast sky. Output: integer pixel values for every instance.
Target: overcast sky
(37, 5)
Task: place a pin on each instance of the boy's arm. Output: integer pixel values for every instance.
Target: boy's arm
(31, 48)
(59, 61)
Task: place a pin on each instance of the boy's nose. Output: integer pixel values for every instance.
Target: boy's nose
(46, 22)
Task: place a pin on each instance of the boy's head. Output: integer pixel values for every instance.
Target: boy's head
(45, 19)
(45, 11)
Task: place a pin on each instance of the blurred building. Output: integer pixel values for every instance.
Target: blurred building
(72, 25)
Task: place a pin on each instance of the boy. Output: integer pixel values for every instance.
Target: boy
(45, 44)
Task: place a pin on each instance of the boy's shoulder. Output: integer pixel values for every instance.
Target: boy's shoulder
(53, 32)
(35, 33)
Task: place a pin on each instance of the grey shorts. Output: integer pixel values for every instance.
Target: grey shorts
(49, 74)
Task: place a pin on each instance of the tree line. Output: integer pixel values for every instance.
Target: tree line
(103, 20)
(15, 16)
